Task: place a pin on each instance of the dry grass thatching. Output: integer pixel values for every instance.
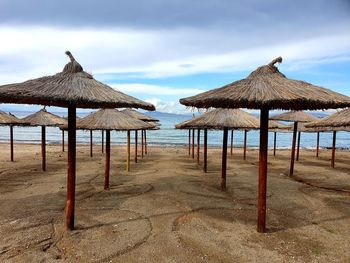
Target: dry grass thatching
(44, 118)
(302, 127)
(9, 119)
(339, 119)
(72, 86)
(110, 119)
(138, 115)
(277, 126)
(293, 116)
(222, 118)
(267, 87)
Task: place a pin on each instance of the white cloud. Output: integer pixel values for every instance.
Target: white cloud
(155, 89)
(29, 52)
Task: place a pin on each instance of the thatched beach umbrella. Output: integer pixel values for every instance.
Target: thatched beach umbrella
(267, 88)
(143, 117)
(339, 121)
(43, 118)
(10, 120)
(221, 119)
(72, 88)
(108, 120)
(296, 117)
(275, 126)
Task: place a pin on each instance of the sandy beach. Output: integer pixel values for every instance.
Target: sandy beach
(167, 210)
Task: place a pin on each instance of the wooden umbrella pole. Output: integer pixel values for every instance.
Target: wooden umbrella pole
(264, 130)
(142, 146)
(245, 145)
(43, 147)
(145, 141)
(108, 159)
(128, 152)
(205, 149)
(70, 203)
(291, 171)
(90, 143)
(135, 146)
(231, 142)
(11, 142)
(198, 144)
(318, 144)
(298, 146)
(192, 143)
(102, 140)
(189, 141)
(333, 148)
(62, 140)
(224, 159)
(274, 143)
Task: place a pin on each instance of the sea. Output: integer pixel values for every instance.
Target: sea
(167, 135)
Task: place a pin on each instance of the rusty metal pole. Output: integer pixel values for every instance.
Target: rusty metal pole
(70, 202)
(198, 144)
(135, 146)
(11, 142)
(90, 143)
(274, 143)
(205, 150)
(108, 159)
(192, 143)
(43, 147)
(224, 159)
(142, 146)
(102, 140)
(231, 142)
(189, 141)
(298, 146)
(264, 130)
(333, 148)
(128, 152)
(318, 144)
(62, 140)
(146, 142)
(245, 145)
(291, 171)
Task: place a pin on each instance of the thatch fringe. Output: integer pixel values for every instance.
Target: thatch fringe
(339, 119)
(110, 119)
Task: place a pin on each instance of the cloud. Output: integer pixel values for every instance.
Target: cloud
(155, 89)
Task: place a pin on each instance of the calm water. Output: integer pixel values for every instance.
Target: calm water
(168, 135)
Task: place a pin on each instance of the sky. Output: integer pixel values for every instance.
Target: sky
(161, 50)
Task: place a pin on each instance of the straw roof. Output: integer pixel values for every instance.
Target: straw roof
(110, 119)
(293, 116)
(222, 118)
(9, 119)
(138, 115)
(302, 127)
(44, 118)
(275, 125)
(72, 86)
(341, 118)
(267, 87)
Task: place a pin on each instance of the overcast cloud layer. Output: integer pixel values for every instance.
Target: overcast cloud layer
(162, 39)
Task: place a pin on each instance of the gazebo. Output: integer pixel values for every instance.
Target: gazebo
(296, 117)
(10, 120)
(43, 118)
(220, 119)
(108, 120)
(72, 88)
(266, 89)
